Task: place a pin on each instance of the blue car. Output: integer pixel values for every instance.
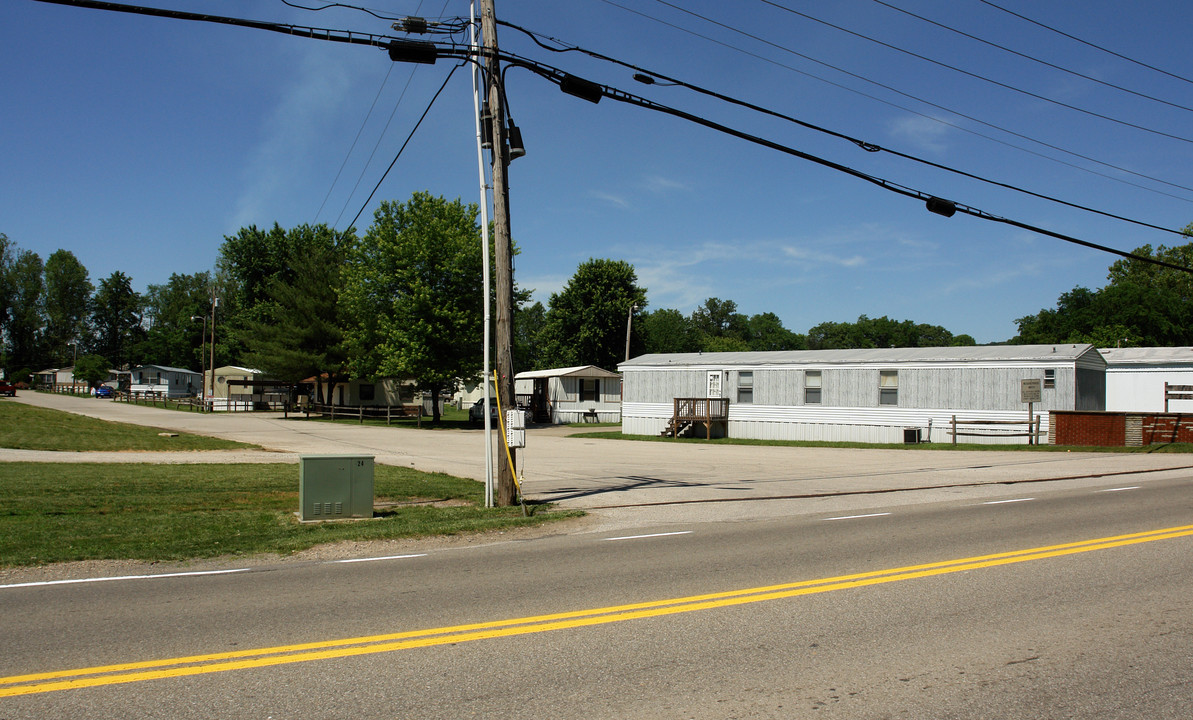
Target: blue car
(103, 391)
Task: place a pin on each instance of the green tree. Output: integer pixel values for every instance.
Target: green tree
(67, 302)
(720, 327)
(302, 330)
(7, 248)
(116, 320)
(91, 369)
(667, 330)
(27, 310)
(1142, 305)
(881, 332)
(412, 294)
(173, 338)
(586, 321)
(528, 325)
(766, 332)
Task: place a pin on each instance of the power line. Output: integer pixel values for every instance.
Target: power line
(865, 145)
(355, 140)
(594, 92)
(314, 33)
(968, 73)
(365, 168)
(1087, 43)
(408, 138)
(1034, 59)
(917, 99)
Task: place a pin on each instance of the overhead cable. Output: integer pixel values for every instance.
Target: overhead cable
(929, 103)
(863, 144)
(403, 148)
(343, 36)
(1034, 59)
(1087, 43)
(935, 204)
(968, 73)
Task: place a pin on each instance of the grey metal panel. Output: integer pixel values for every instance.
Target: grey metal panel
(1091, 390)
(335, 486)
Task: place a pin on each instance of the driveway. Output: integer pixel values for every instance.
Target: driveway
(562, 466)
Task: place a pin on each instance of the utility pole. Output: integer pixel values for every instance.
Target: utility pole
(503, 251)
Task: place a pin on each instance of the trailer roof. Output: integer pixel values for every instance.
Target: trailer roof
(889, 356)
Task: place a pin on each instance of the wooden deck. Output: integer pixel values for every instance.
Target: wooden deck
(691, 412)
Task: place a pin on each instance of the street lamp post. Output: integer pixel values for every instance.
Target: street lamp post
(202, 356)
(629, 322)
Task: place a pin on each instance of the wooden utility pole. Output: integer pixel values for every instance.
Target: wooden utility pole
(503, 249)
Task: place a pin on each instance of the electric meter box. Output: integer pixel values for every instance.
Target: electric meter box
(515, 428)
(333, 487)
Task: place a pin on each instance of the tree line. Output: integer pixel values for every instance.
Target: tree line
(404, 300)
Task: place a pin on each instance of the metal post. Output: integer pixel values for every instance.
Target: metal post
(629, 321)
(486, 372)
(215, 302)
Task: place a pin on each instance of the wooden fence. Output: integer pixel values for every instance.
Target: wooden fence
(1032, 433)
(387, 412)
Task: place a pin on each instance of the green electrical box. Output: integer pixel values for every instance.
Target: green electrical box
(332, 487)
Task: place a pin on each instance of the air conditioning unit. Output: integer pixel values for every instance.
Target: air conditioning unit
(333, 487)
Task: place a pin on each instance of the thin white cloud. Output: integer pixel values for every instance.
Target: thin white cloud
(297, 124)
(612, 199)
(817, 256)
(660, 184)
(921, 132)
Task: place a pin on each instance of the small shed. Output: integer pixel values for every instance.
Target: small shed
(866, 395)
(171, 382)
(585, 393)
(1135, 378)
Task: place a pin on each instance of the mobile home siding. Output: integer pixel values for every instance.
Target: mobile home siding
(930, 390)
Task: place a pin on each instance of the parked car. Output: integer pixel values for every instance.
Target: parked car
(7, 389)
(476, 413)
(103, 391)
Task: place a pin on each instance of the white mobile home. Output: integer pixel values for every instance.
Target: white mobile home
(1135, 377)
(566, 395)
(867, 395)
(167, 381)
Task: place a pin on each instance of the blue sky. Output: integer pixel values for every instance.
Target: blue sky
(138, 143)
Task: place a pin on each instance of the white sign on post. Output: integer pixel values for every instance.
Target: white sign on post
(1031, 391)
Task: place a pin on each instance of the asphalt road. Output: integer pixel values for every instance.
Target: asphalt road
(1063, 600)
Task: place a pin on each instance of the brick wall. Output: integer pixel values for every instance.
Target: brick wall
(1088, 428)
(1112, 429)
(1167, 428)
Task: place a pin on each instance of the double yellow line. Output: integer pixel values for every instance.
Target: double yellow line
(349, 647)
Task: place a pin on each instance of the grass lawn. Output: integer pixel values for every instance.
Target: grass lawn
(25, 427)
(1166, 448)
(58, 512)
(63, 512)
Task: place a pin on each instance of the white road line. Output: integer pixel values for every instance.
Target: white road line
(387, 557)
(1133, 487)
(653, 535)
(121, 577)
(855, 517)
(1003, 502)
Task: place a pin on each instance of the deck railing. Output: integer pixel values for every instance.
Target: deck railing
(689, 411)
